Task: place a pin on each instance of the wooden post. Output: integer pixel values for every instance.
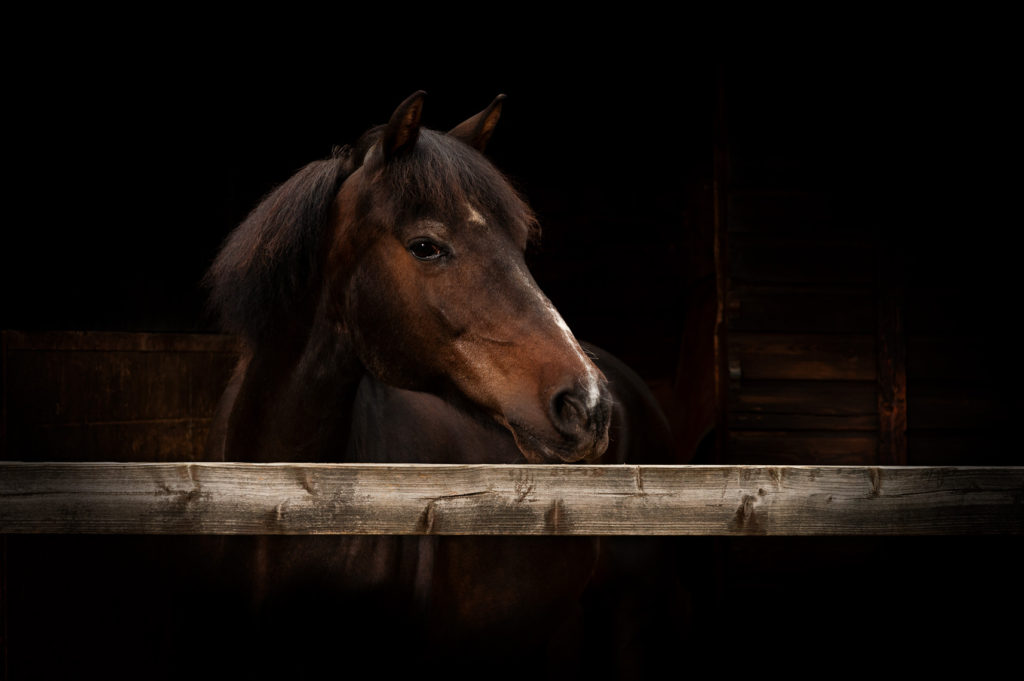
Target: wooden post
(3, 608)
(694, 412)
(892, 354)
(721, 177)
(3, 538)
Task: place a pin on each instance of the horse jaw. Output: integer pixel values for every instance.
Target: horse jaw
(535, 451)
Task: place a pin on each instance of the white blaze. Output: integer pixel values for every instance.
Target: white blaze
(592, 381)
(592, 375)
(593, 392)
(474, 215)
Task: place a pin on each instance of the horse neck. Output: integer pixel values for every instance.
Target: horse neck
(294, 399)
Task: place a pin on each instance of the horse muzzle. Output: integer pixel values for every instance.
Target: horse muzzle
(575, 428)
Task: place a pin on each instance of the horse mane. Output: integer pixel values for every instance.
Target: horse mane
(267, 275)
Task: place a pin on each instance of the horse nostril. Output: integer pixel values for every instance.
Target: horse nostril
(581, 415)
(567, 412)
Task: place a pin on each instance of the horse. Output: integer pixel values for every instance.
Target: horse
(387, 315)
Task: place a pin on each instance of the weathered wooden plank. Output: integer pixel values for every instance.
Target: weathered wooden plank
(803, 405)
(768, 356)
(826, 398)
(238, 498)
(743, 420)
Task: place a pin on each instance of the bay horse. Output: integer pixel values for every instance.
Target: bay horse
(387, 315)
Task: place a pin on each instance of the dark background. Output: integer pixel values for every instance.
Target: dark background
(131, 155)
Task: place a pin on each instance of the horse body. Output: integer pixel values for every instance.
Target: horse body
(388, 317)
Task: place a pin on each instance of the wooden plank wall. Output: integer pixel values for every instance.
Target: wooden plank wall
(800, 304)
(111, 396)
(862, 327)
(867, 322)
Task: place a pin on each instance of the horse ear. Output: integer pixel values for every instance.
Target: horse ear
(403, 129)
(476, 131)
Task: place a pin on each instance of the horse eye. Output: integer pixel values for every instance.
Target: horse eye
(426, 250)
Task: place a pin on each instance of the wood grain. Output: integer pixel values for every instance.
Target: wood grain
(111, 396)
(818, 357)
(804, 405)
(240, 498)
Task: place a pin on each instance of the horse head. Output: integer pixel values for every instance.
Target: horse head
(427, 278)
(402, 255)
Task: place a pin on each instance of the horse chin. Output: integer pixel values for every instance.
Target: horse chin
(535, 450)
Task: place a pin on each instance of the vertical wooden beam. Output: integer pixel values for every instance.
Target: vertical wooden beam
(892, 353)
(3, 538)
(720, 184)
(694, 411)
(3, 607)
(3, 395)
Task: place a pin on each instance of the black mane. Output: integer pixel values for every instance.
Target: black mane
(269, 270)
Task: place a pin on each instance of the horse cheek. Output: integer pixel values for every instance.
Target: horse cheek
(388, 333)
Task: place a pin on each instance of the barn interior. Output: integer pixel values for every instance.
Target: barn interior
(809, 257)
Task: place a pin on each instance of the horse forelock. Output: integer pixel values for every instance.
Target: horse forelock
(444, 176)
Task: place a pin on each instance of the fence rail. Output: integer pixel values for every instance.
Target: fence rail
(245, 498)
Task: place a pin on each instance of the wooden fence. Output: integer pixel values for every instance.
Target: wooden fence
(244, 498)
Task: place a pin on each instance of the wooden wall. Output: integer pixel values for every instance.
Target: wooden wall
(864, 293)
(864, 304)
(105, 396)
(800, 299)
